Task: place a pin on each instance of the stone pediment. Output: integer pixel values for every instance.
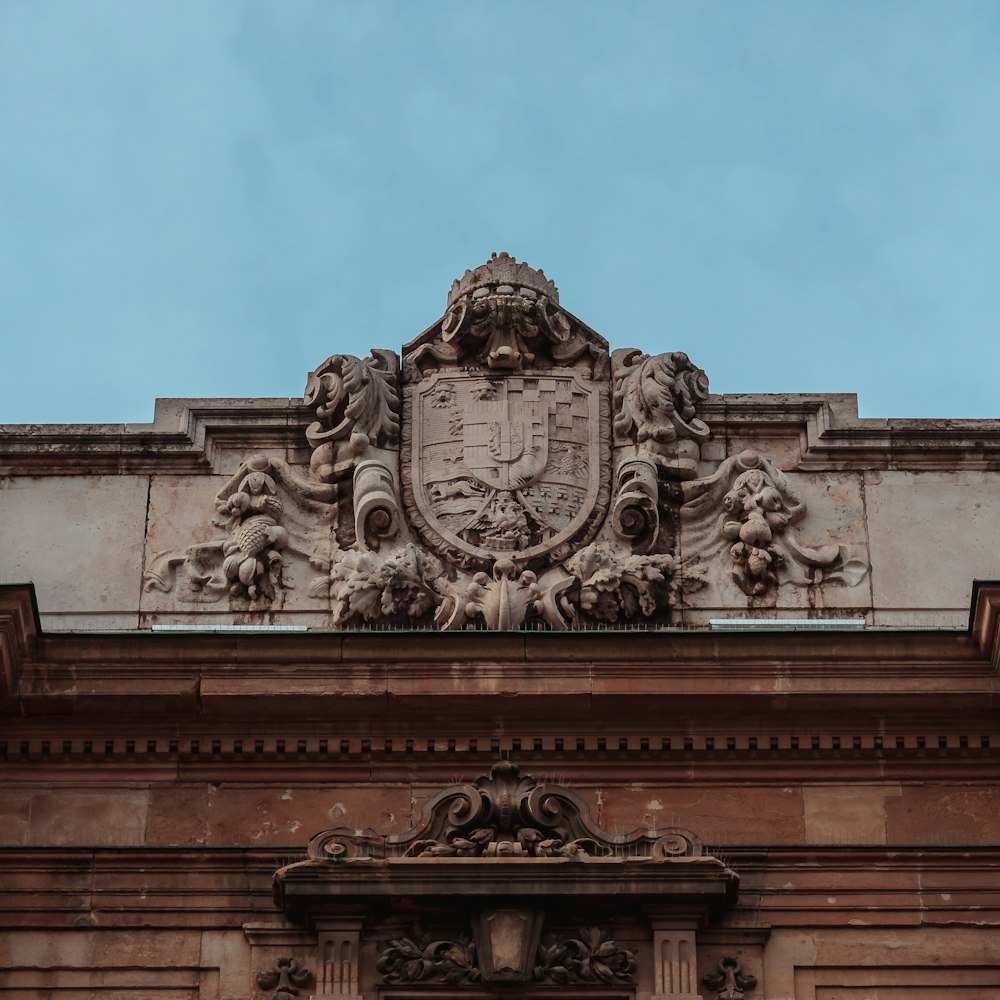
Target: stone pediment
(490, 865)
(504, 835)
(505, 815)
(505, 472)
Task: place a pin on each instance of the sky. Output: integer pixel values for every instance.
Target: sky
(206, 199)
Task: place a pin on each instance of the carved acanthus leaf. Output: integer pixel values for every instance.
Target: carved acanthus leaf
(357, 406)
(592, 956)
(656, 405)
(508, 599)
(424, 958)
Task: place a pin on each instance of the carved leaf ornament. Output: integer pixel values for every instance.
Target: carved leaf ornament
(590, 957)
(505, 473)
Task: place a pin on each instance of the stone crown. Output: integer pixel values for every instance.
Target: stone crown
(502, 269)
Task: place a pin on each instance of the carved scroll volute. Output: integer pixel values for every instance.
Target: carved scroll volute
(376, 511)
(635, 515)
(357, 407)
(345, 843)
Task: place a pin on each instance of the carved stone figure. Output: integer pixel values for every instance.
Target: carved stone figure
(749, 507)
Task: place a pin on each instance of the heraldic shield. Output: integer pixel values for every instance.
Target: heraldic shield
(507, 466)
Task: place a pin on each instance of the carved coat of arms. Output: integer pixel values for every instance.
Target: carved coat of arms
(504, 472)
(507, 464)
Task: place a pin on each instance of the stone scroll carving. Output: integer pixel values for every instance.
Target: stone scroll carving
(355, 439)
(504, 814)
(749, 509)
(505, 472)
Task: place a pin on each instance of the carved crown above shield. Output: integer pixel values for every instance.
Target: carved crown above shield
(505, 472)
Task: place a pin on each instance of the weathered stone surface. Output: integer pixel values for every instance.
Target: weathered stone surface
(847, 814)
(79, 539)
(942, 814)
(104, 817)
(932, 534)
(289, 814)
(722, 814)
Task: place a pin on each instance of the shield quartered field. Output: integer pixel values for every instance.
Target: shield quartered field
(506, 465)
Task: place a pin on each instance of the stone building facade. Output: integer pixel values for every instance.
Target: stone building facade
(506, 666)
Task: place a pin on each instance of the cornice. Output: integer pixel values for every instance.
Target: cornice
(194, 435)
(835, 437)
(185, 436)
(395, 674)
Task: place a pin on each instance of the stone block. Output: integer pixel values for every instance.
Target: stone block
(289, 815)
(846, 814)
(719, 815)
(178, 816)
(79, 539)
(942, 814)
(111, 817)
(931, 535)
(15, 816)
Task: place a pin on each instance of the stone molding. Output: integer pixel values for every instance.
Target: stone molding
(201, 435)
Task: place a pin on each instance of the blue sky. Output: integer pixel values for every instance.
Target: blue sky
(208, 198)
